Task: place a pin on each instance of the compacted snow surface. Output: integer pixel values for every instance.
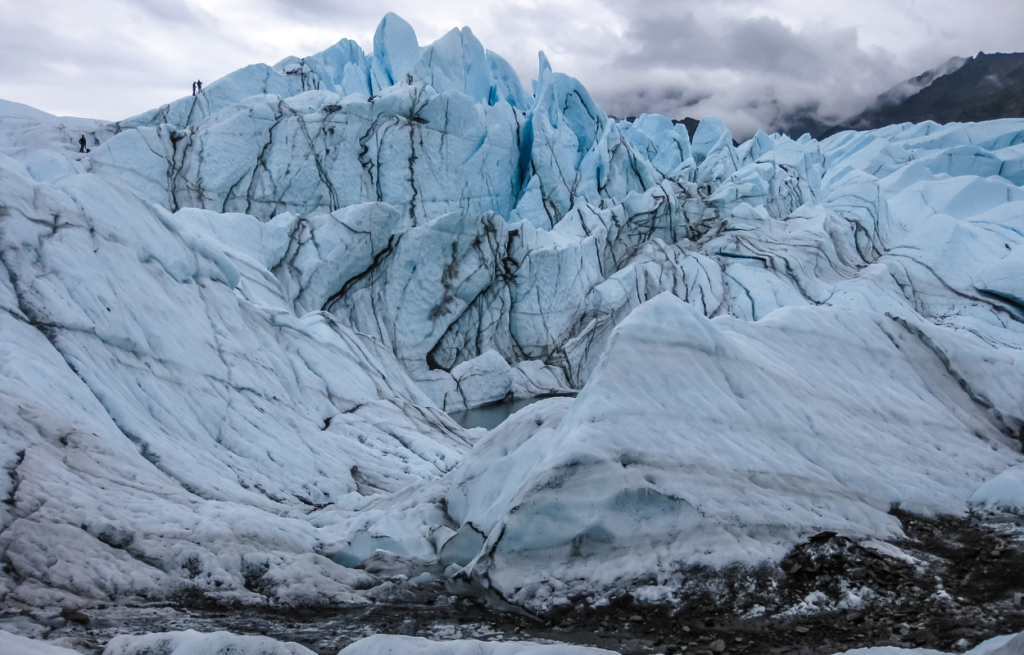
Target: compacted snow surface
(230, 333)
(191, 642)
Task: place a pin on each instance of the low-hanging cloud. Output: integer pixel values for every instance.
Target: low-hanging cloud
(752, 62)
(749, 63)
(751, 71)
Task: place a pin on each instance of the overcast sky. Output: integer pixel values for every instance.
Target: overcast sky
(746, 61)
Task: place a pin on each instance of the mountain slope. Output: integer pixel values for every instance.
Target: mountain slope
(981, 88)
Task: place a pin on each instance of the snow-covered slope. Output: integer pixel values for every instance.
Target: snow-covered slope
(229, 332)
(191, 642)
(392, 644)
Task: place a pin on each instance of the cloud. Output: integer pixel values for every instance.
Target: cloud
(172, 13)
(750, 70)
(752, 62)
(111, 58)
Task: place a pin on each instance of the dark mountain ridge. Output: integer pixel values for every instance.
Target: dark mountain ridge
(985, 87)
(980, 88)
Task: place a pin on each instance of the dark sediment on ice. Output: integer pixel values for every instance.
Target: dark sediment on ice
(960, 585)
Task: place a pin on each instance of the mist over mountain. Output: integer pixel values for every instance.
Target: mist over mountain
(980, 88)
(985, 87)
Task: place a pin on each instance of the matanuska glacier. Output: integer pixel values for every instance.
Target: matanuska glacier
(232, 330)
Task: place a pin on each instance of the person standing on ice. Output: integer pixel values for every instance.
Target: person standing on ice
(81, 144)
(193, 88)
(199, 86)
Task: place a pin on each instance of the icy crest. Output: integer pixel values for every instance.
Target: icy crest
(229, 332)
(395, 49)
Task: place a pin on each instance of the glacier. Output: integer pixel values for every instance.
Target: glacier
(232, 330)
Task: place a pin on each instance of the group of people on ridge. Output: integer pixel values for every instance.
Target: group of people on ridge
(197, 87)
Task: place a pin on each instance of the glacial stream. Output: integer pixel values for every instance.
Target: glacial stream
(491, 415)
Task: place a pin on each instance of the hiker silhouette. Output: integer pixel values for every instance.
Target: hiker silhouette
(81, 144)
(199, 86)
(193, 88)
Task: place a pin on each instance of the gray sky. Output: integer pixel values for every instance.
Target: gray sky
(747, 61)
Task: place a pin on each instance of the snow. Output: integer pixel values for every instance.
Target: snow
(394, 644)
(191, 642)
(892, 650)
(12, 644)
(1002, 645)
(1003, 492)
(231, 330)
